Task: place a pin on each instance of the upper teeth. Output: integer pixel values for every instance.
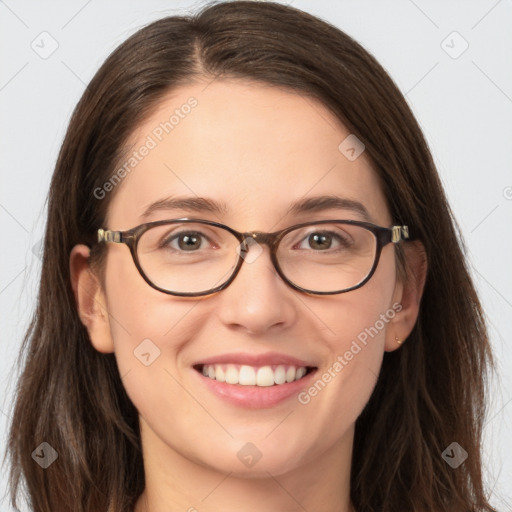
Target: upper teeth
(251, 376)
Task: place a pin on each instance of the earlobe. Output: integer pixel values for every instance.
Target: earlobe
(90, 299)
(408, 294)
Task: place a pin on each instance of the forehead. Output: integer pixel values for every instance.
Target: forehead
(254, 147)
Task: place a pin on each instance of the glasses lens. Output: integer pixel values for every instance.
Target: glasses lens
(188, 257)
(327, 257)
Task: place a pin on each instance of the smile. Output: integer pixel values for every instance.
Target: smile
(245, 375)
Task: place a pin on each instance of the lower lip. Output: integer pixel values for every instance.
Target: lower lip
(256, 397)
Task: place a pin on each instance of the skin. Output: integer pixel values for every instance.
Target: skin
(258, 148)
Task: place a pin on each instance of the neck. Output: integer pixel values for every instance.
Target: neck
(174, 482)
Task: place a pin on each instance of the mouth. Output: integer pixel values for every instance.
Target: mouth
(255, 376)
(254, 381)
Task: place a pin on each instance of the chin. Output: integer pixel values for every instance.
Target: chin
(244, 464)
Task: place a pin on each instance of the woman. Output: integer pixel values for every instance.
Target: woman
(292, 323)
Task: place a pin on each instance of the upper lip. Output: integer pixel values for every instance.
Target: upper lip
(257, 360)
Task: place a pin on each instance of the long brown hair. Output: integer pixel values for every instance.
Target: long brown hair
(429, 393)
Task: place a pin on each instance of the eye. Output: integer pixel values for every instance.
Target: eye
(323, 240)
(188, 241)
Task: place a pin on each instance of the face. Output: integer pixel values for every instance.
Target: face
(257, 149)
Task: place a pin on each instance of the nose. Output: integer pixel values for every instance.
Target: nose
(257, 300)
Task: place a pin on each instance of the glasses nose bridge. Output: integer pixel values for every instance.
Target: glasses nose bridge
(263, 238)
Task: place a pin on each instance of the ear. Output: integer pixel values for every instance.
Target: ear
(408, 295)
(90, 299)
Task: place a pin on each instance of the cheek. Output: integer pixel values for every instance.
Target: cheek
(137, 310)
(362, 314)
(355, 328)
(148, 328)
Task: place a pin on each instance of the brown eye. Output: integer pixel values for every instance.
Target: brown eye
(324, 240)
(186, 240)
(320, 241)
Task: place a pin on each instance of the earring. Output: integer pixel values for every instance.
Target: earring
(397, 340)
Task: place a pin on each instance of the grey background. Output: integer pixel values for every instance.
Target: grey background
(463, 103)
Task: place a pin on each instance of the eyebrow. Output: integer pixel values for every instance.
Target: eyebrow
(321, 203)
(188, 204)
(306, 205)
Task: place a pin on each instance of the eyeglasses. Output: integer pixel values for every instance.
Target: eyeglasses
(194, 257)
